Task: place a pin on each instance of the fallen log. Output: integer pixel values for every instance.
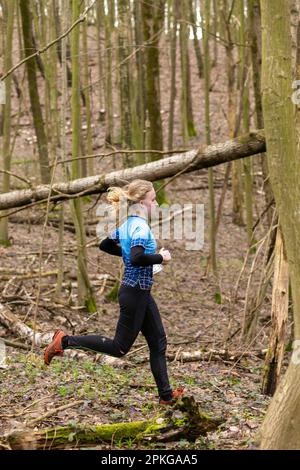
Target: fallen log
(223, 354)
(184, 420)
(14, 344)
(241, 147)
(23, 331)
(210, 355)
(12, 322)
(25, 275)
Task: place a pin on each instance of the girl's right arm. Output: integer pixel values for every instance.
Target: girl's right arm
(138, 257)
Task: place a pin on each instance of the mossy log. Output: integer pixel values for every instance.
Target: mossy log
(184, 419)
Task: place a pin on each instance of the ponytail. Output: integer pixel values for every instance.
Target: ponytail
(132, 193)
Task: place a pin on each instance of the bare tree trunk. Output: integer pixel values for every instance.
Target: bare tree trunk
(215, 31)
(152, 25)
(109, 30)
(124, 71)
(253, 7)
(64, 99)
(187, 124)
(85, 291)
(173, 44)
(33, 92)
(197, 47)
(100, 22)
(207, 65)
(237, 206)
(281, 426)
(245, 105)
(140, 67)
(88, 113)
(153, 20)
(294, 19)
(4, 238)
(280, 298)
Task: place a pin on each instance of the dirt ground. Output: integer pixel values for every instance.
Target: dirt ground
(197, 313)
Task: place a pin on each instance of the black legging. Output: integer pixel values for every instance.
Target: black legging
(138, 312)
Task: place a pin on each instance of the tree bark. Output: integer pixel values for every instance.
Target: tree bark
(207, 70)
(280, 299)
(186, 162)
(85, 291)
(125, 77)
(185, 420)
(187, 122)
(33, 92)
(173, 43)
(254, 18)
(199, 58)
(281, 427)
(12, 322)
(4, 238)
(140, 104)
(153, 21)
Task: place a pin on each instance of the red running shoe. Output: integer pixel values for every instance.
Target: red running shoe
(176, 394)
(55, 347)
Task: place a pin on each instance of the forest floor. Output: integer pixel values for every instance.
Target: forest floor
(123, 389)
(197, 315)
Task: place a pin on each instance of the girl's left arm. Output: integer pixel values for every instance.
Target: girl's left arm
(110, 246)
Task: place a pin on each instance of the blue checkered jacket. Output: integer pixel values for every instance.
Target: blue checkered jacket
(135, 231)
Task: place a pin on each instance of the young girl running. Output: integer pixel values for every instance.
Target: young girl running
(134, 241)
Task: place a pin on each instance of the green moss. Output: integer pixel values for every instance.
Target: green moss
(113, 293)
(161, 196)
(191, 129)
(90, 305)
(4, 242)
(98, 433)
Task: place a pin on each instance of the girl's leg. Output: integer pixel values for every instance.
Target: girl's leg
(154, 333)
(133, 302)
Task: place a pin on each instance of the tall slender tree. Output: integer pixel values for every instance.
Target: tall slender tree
(237, 195)
(193, 19)
(254, 18)
(187, 122)
(153, 20)
(85, 291)
(124, 71)
(64, 100)
(88, 114)
(245, 106)
(33, 91)
(173, 43)
(281, 426)
(140, 73)
(108, 57)
(207, 68)
(6, 151)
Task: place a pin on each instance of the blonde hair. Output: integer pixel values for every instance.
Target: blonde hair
(132, 193)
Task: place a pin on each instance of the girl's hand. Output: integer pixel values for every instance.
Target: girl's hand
(165, 254)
